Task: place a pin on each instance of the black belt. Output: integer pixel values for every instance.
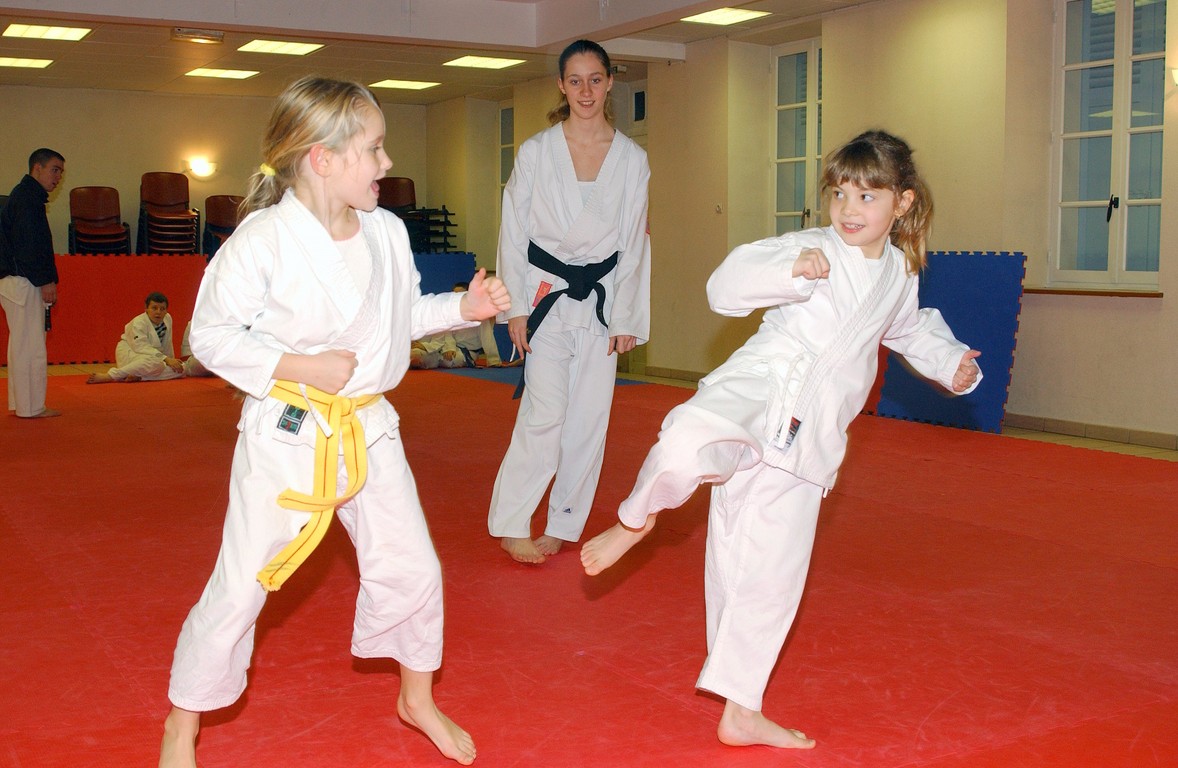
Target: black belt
(583, 281)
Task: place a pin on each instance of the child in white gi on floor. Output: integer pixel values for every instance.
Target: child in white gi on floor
(575, 255)
(309, 309)
(768, 427)
(147, 351)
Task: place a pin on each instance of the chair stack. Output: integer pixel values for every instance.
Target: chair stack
(96, 224)
(397, 194)
(221, 218)
(166, 223)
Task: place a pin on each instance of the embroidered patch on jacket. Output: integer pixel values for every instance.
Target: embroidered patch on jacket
(291, 419)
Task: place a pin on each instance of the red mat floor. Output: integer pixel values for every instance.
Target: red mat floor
(974, 601)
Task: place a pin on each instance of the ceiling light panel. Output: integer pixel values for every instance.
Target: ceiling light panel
(8, 61)
(483, 62)
(405, 85)
(225, 74)
(42, 32)
(286, 48)
(725, 16)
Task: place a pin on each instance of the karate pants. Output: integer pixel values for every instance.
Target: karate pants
(399, 607)
(142, 366)
(559, 435)
(27, 358)
(761, 526)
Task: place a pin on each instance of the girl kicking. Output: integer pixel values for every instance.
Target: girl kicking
(768, 428)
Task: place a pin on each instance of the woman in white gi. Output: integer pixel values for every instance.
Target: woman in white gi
(575, 256)
(768, 427)
(309, 309)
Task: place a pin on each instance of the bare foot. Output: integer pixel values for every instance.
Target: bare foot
(44, 413)
(605, 549)
(522, 550)
(742, 727)
(451, 741)
(178, 749)
(100, 378)
(548, 545)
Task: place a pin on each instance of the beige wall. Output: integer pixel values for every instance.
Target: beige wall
(463, 166)
(110, 138)
(967, 82)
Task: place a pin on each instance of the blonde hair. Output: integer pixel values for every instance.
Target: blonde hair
(560, 112)
(312, 110)
(879, 160)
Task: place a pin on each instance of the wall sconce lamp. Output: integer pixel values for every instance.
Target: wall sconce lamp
(1174, 72)
(200, 167)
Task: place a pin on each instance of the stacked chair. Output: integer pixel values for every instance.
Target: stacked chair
(166, 223)
(397, 194)
(96, 224)
(221, 218)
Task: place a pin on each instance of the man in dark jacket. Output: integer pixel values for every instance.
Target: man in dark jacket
(28, 282)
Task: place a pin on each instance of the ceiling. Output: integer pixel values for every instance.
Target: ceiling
(130, 46)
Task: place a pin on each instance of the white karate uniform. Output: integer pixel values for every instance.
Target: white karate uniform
(430, 351)
(279, 284)
(732, 432)
(28, 360)
(141, 352)
(564, 412)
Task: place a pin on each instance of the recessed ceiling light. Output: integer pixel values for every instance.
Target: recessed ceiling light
(205, 36)
(483, 62)
(279, 46)
(725, 16)
(228, 74)
(6, 61)
(406, 85)
(42, 32)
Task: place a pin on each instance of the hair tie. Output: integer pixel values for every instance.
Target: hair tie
(266, 170)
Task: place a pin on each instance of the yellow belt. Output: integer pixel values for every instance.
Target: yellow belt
(343, 430)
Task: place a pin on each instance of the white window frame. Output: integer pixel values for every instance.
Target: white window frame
(1115, 277)
(811, 212)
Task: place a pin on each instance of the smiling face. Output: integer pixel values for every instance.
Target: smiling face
(864, 216)
(585, 84)
(362, 163)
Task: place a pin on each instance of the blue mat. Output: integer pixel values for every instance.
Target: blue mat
(980, 296)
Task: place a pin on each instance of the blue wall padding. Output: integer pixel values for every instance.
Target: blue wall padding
(439, 271)
(979, 295)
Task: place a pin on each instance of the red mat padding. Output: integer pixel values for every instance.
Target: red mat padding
(973, 601)
(99, 293)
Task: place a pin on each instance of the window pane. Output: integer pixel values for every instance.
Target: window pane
(1090, 35)
(507, 126)
(788, 224)
(791, 186)
(819, 148)
(1145, 165)
(791, 132)
(1088, 99)
(1149, 86)
(820, 74)
(506, 163)
(1087, 164)
(1083, 240)
(1149, 26)
(1143, 243)
(791, 79)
